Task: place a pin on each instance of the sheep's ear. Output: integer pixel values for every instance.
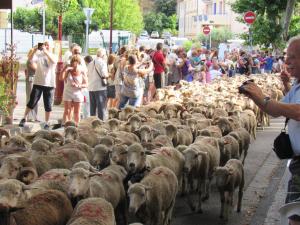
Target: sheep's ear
(129, 183)
(147, 188)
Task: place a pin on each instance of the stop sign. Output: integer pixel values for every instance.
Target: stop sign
(206, 30)
(249, 17)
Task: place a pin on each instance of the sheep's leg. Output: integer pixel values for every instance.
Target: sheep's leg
(168, 213)
(200, 188)
(240, 197)
(206, 189)
(226, 205)
(185, 187)
(222, 198)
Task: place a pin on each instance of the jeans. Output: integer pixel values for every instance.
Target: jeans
(98, 102)
(125, 99)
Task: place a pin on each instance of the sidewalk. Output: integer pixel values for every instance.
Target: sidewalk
(57, 110)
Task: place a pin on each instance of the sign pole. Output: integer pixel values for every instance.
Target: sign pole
(44, 22)
(249, 18)
(12, 47)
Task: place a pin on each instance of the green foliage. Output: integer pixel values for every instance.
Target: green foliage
(58, 6)
(267, 28)
(167, 7)
(187, 45)
(160, 22)
(218, 35)
(295, 26)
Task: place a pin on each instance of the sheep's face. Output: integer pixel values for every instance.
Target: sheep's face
(10, 168)
(119, 155)
(136, 159)
(221, 175)
(12, 194)
(224, 125)
(171, 113)
(17, 141)
(145, 134)
(79, 182)
(101, 156)
(191, 123)
(192, 158)
(137, 197)
(71, 133)
(113, 124)
(135, 123)
(171, 131)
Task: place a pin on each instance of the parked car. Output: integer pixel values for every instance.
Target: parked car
(144, 34)
(166, 35)
(154, 34)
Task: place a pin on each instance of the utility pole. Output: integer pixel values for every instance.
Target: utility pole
(111, 25)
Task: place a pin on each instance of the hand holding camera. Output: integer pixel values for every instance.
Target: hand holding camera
(242, 87)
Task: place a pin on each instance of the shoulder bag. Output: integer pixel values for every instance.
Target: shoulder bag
(282, 144)
(103, 79)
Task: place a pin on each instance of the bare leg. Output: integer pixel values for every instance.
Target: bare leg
(77, 106)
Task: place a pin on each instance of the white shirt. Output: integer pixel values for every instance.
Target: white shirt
(94, 80)
(214, 74)
(45, 72)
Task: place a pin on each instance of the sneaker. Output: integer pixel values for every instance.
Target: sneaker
(46, 127)
(22, 122)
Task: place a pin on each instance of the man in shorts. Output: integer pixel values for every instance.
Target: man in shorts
(44, 81)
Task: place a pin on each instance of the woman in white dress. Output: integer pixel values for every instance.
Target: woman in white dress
(75, 80)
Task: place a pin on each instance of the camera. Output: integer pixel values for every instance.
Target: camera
(242, 88)
(40, 46)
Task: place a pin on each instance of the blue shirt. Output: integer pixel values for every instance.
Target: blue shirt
(269, 63)
(293, 97)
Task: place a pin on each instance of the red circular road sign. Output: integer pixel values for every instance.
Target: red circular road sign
(249, 17)
(206, 30)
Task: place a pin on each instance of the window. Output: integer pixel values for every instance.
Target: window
(215, 8)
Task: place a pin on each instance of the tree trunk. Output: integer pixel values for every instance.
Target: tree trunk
(287, 18)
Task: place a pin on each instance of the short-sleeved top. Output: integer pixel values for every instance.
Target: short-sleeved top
(185, 68)
(269, 63)
(45, 71)
(158, 61)
(293, 97)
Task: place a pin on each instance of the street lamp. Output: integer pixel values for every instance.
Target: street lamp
(88, 13)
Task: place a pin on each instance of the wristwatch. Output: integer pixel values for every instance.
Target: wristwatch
(266, 101)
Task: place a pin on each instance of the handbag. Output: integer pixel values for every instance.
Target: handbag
(103, 79)
(282, 144)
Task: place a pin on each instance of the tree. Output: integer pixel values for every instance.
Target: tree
(167, 7)
(268, 27)
(160, 22)
(218, 35)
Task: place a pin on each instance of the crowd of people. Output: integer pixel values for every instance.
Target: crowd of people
(92, 85)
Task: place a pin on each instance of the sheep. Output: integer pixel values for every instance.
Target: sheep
(243, 137)
(225, 124)
(113, 113)
(170, 110)
(42, 146)
(107, 184)
(231, 149)
(6, 134)
(47, 208)
(181, 136)
(93, 211)
(18, 141)
(119, 155)
(101, 156)
(52, 136)
(201, 159)
(157, 194)
(73, 144)
(18, 167)
(138, 163)
(228, 178)
(211, 131)
(85, 165)
(54, 179)
(125, 137)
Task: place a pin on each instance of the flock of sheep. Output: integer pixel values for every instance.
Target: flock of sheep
(132, 167)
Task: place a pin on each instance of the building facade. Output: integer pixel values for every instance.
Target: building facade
(194, 14)
(146, 5)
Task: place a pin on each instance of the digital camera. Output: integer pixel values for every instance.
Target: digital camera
(242, 87)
